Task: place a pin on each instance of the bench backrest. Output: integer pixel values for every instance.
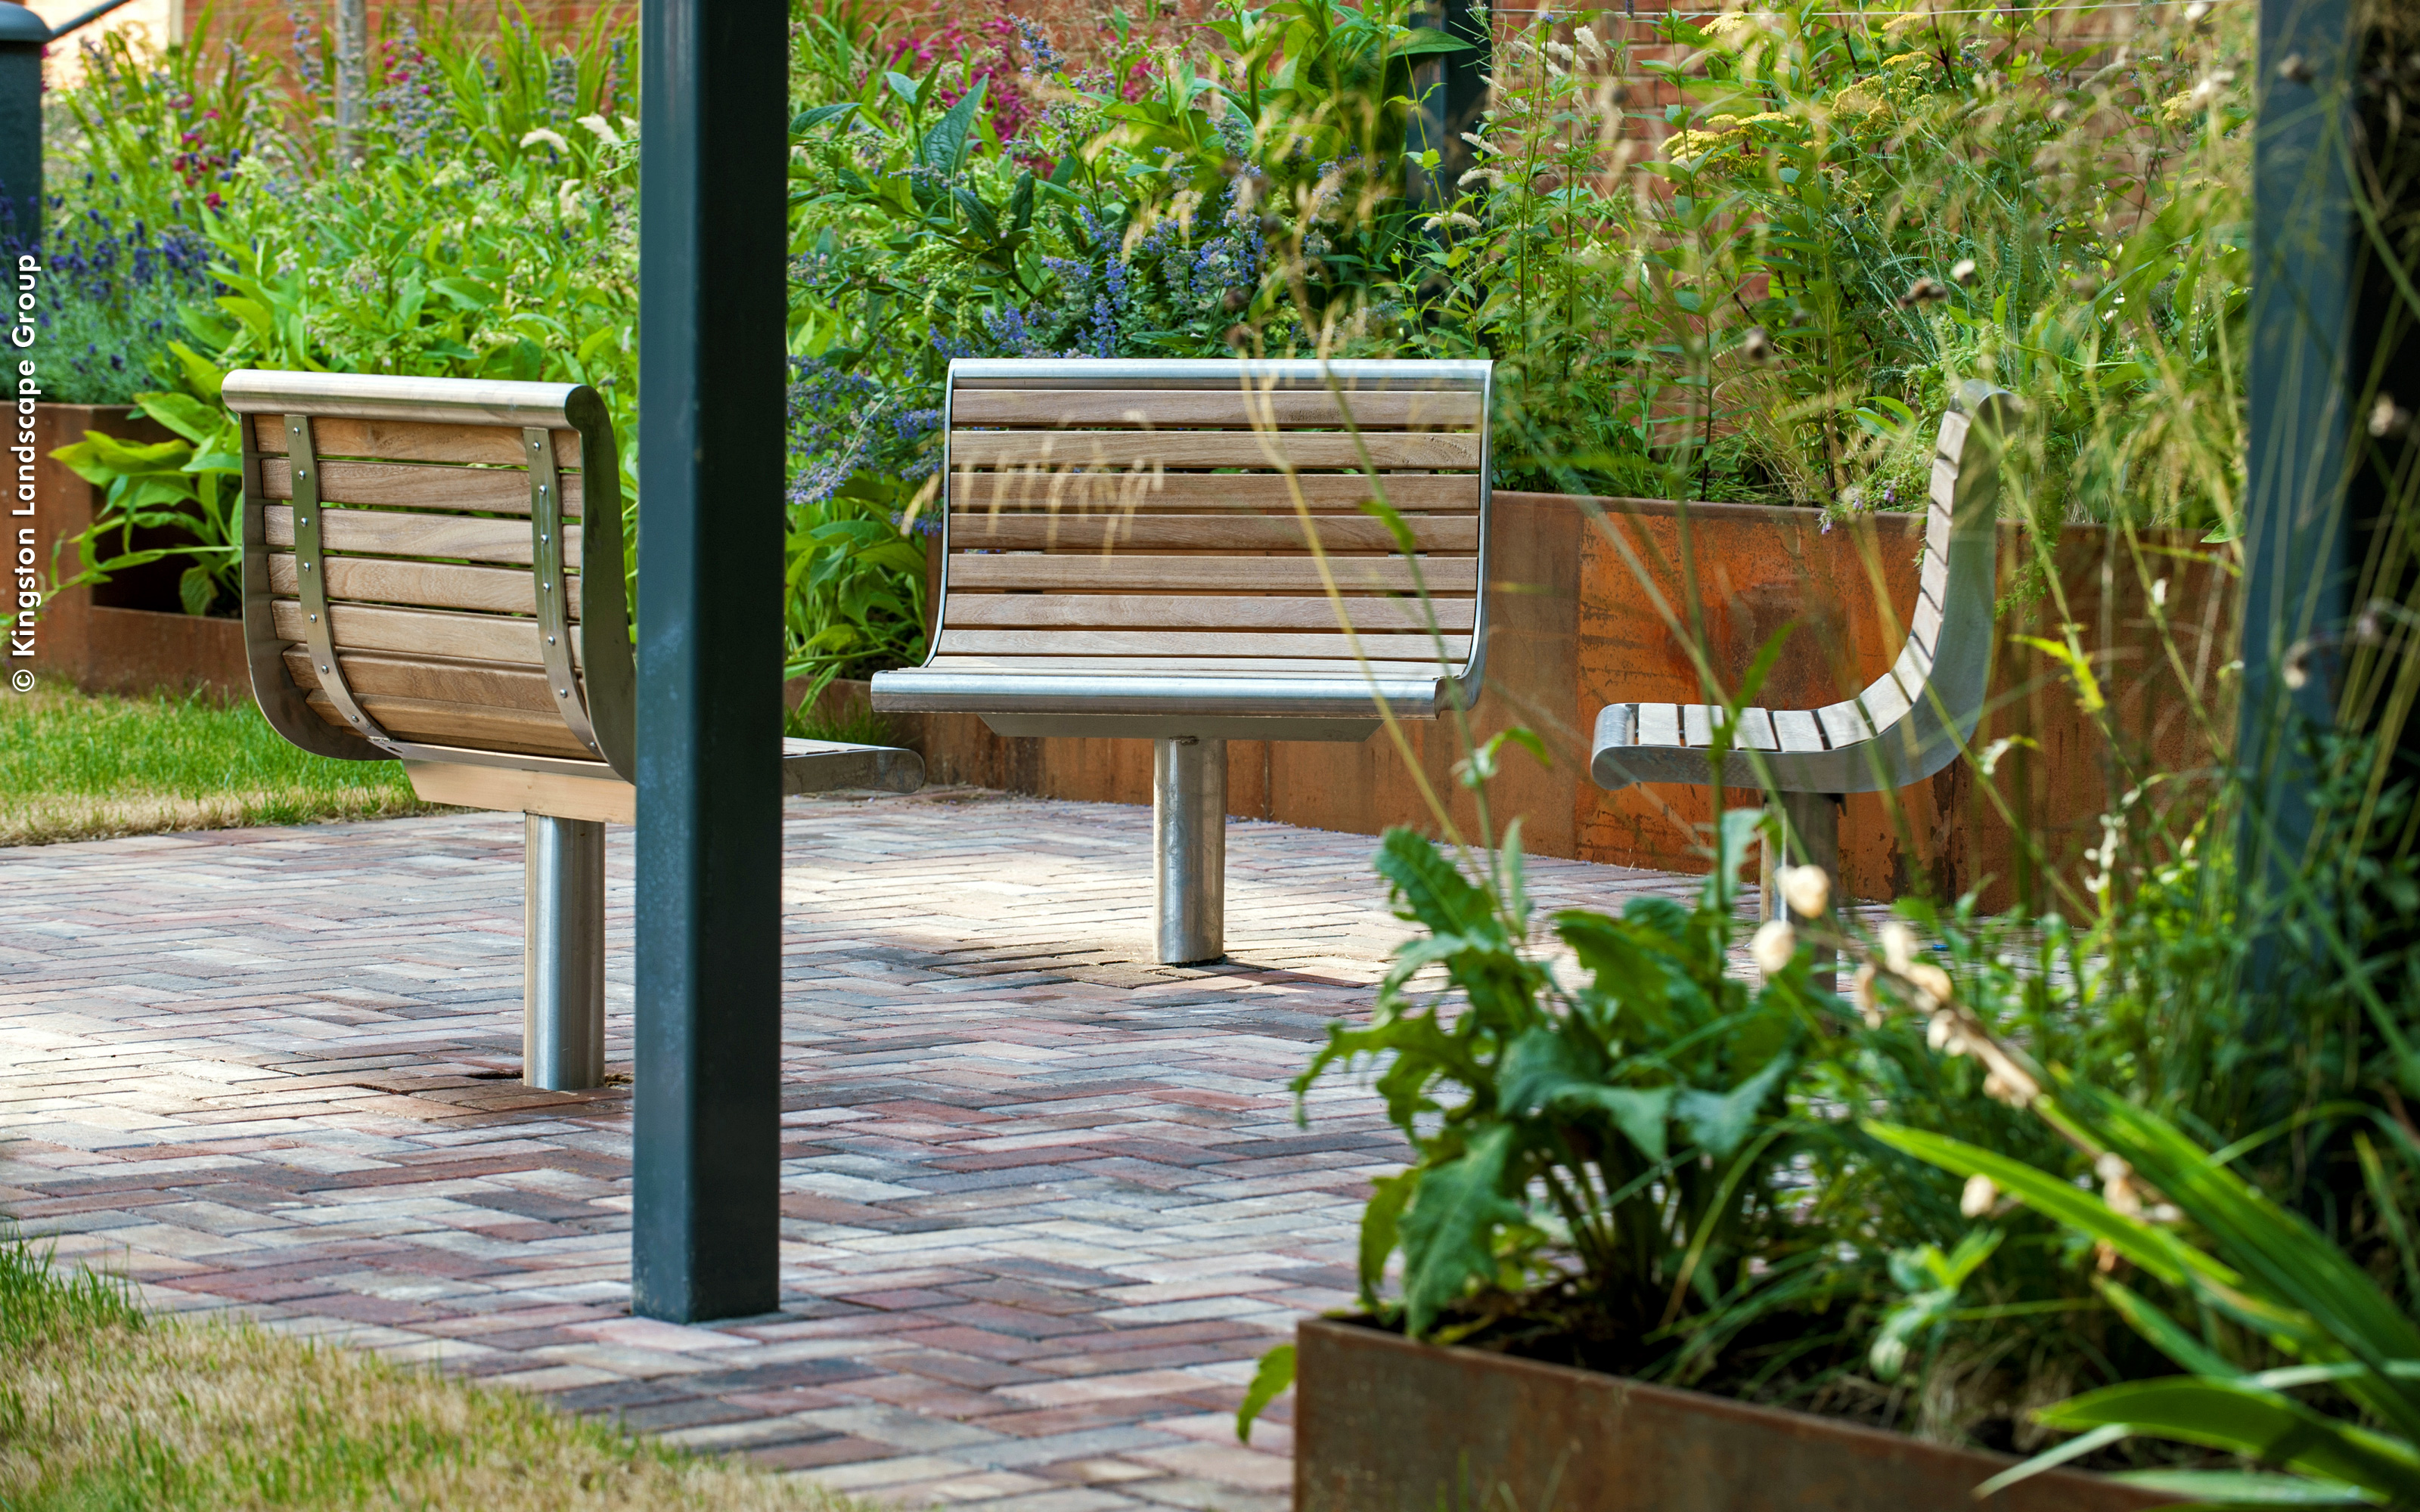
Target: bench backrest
(1157, 517)
(433, 569)
(1910, 722)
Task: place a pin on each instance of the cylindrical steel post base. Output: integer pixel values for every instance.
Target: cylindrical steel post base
(1189, 850)
(563, 954)
(1813, 820)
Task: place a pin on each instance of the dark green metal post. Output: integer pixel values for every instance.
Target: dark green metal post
(23, 36)
(711, 243)
(2328, 341)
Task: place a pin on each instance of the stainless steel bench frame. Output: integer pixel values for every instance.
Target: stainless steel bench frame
(565, 802)
(1190, 718)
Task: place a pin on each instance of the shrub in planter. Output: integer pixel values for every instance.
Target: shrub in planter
(1659, 1171)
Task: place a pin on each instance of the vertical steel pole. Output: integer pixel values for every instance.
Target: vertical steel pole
(23, 36)
(706, 1175)
(1189, 850)
(2298, 551)
(2334, 372)
(563, 953)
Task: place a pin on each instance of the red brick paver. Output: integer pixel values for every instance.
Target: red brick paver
(1043, 1202)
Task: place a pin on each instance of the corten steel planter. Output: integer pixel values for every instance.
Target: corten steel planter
(1385, 1424)
(129, 635)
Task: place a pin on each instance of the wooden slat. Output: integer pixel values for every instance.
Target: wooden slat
(394, 533)
(1204, 533)
(1698, 725)
(1141, 667)
(1166, 408)
(1944, 491)
(1926, 626)
(1151, 643)
(1122, 492)
(1211, 449)
(460, 724)
(1754, 732)
(413, 441)
(1115, 611)
(425, 486)
(1659, 724)
(1079, 573)
(467, 637)
(1797, 730)
(1886, 702)
(606, 798)
(432, 585)
(487, 685)
(1843, 724)
(1936, 540)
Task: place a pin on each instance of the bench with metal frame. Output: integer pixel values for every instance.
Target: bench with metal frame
(1177, 550)
(433, 571)
(1912, 721)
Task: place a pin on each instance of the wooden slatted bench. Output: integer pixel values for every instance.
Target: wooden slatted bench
(1178, 551)
(1909, 723)
(433, 572)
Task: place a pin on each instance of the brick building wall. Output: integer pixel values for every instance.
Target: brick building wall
(269, 26)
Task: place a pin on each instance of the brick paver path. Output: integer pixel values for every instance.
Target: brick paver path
(1043, 1202)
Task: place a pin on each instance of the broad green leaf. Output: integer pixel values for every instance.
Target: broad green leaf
(1276, 1373)
(182, 414)
(1423, 41)
(1718, 1121)
(944, 147)
(1379, 1220)
(1449, 1227)
(1640, 1113)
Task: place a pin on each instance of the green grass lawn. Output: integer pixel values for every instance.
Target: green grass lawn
(103, 1408)
(81, 766)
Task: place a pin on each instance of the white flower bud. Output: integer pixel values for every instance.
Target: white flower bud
(1979, 1196)
(1861, 992)
(1939, 1033)
(1931, 980)
(1807, 890)
(1899, 946)
(1775, 946)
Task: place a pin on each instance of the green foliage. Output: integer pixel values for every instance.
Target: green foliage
(189, 486)
(1639, 1122)
(1857, 210)
(2251, 1281)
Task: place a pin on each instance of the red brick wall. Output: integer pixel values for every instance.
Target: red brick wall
(270, 31)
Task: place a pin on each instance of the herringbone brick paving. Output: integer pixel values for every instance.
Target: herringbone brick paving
(1043, 1201)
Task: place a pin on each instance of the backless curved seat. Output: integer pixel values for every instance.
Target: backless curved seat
(433, 573)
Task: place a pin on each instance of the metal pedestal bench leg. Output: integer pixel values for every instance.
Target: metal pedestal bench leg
(1189, 850)
(563, 954)
(1814, 824)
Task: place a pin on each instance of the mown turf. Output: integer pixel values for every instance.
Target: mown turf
(81, 766)
(103, 1408)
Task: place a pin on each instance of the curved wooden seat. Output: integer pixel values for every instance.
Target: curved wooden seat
(1917, 716)
(1178, 551)
(433, 573)
(1128, 547)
